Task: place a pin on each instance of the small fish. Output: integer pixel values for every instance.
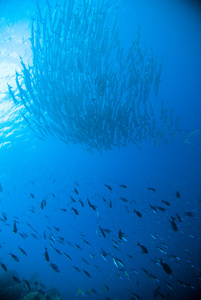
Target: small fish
(69, 258)
(123, 199)
(160, 208)
(32, 195)
(56, 228)
(103, 254)
(110, 205)
(27, 284)
(78, 247)
(14, 257)
(63, 209)
(108, 186)
(188, 214)
(178, 217)
(166, 202)
(3, 267)
(144, 249)
(106, 200)
(72, 198)
(103, 233)
(54, 267)
(47, 258)
(120, 234)
(178, 194)
(23, 252)
(43, 203)
(88, 275)
(75, 211)
(76, 191)
(91, 205)
(52, 195)
(81, 203)
(15, 229)
(0, 188)
(58, 251)
(166, 268)
(4, 215)
(77, 269)
(16, 279)
(137, 213)
(173, 224)
(84, 260)
(153, 208)
(123, 186)
(151, 189)
(87, 243)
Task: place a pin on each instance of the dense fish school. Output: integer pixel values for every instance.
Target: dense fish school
(83, 86)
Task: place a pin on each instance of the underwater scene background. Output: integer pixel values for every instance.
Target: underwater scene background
(100, 165)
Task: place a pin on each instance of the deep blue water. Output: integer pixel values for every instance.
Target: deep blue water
(32, 170)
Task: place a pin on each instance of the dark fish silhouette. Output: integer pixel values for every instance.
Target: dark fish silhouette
(88, 275)
(14, 227)
(14, 257)
(47, 258)
(178, 217)
(76, 191)
(173, 224)
(151, 189)
(75, 211)
(160, 208)
(109, 187)
(178, 194)
(103, 233)
(144, 249)
(188, 214)
(123, 186)
(3, 267)
(23, 252)
(166, 268)
(91, 205)
(166, 202)
(54, 267)
(138, 213)
(43, 203)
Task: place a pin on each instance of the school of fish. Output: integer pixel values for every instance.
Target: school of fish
(84, 87)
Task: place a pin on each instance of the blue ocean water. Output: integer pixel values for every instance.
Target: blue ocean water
(90, 209)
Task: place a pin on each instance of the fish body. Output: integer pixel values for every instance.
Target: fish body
(15, 229)
(23, 252)
(144, 249)
(54, 267)
(3, 267)
(173, 224)
(123, 186)
(151, 189)
(87, 273)
(166, 202)
(75, 211)
(166, 268)
(108, 186)
(138, 213)
(14, 257)
(178, 194)
(102, 231)
(47, 258)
